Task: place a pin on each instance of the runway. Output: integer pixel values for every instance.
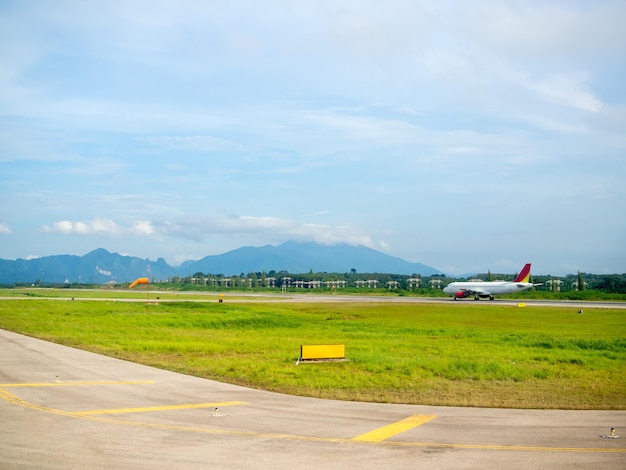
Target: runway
(300, 297)
(304, 298)
(67, 408)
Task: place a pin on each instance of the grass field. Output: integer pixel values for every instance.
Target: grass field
(460, 354)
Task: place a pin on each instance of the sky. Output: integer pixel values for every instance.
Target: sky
(465, 135)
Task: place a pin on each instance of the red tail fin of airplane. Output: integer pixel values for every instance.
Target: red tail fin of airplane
(524, 274)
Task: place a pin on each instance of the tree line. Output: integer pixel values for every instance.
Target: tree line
(612, 283)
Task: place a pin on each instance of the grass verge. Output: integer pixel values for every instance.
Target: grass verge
(458, 354)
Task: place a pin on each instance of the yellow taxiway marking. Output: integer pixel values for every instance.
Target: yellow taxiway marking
(158, 408)
(73, 384)
(19, 402)
(381, 434)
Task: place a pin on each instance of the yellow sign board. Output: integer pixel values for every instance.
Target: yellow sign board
(322, 351)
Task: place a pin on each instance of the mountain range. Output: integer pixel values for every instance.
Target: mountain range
(100, 266)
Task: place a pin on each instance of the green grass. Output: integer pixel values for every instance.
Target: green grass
(138, 293)
(460, 354)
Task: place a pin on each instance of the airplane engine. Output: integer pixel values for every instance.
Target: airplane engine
(461, 294)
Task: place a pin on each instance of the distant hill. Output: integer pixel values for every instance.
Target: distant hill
(101, 266)
(96, 267)
(297, 257)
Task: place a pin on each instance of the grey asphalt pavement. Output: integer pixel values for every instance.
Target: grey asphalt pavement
(66, 408)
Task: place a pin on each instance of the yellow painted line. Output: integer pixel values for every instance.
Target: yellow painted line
(19, 402)
(158, 408)
(73, 384)
(292, 437)
(381, 434)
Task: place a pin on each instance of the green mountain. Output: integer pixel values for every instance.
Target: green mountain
(101, 266)
(295, 257)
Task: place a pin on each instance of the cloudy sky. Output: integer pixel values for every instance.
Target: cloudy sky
(466, 135)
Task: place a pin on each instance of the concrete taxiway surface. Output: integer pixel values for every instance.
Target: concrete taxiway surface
(65, 408)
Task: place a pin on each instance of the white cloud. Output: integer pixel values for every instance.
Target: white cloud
(143, 227)
(567, 90)
(327, 234)
(202, 228)
(103, 271)
(63, 226)
(273, 228)
(96, 226)
(5, 229)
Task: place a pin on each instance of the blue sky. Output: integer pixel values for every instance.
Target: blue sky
(466, 135)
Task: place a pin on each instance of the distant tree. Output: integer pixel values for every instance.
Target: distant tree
(353, 271)
(612, 284)
(489, 276)
(581, 281)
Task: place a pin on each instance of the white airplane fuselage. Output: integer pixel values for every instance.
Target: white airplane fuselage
(461, 290)
(485, 288)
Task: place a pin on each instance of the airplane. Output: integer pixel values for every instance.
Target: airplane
(478, 289)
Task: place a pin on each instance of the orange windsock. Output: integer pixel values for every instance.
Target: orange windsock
(141, 280)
